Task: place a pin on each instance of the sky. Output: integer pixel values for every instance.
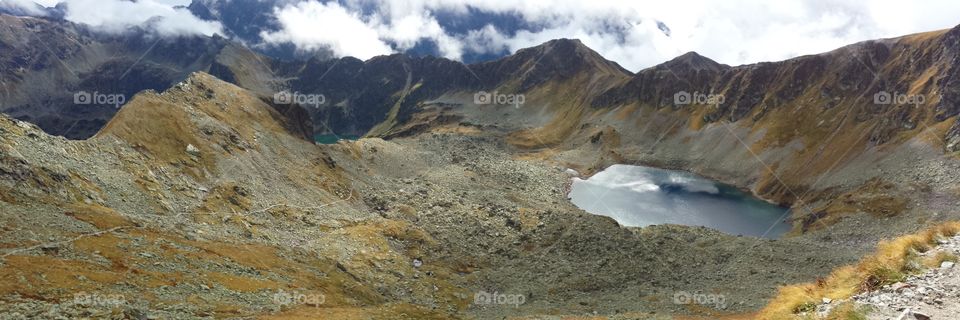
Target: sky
(635, 33)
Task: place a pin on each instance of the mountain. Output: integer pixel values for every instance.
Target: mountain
(803, 118)
(360, 97)
(50, 62)
(205, 187)
(206, 192)
(29, 8)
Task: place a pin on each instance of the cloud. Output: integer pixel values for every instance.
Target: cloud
(314, 25)
(408, 30)
(23, 6)
(345, 31)
(626, 31)
(116, 16)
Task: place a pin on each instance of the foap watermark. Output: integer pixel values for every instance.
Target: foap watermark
(99, 300)
(304, 99)
(496, 298)
(685, 98)
(497, 98)
(283, 298)
(97, 98)
(718, 301)
(884, 97)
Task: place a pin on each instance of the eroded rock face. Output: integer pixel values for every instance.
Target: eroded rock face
(54, 71)
(849, 76)
(358, 95)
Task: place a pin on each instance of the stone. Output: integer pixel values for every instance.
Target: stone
(947, 265)
(897, 286)
(136, 314)
(911, 315)
(192, 150)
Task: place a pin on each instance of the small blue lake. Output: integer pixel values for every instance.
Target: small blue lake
(332, 138)
(642, 196)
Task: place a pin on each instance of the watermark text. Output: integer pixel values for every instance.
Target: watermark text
(496, 298)
(496, 98)
(98, 98)
(303, 99)
(718, 301)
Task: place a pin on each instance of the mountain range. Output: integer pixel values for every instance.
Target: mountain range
(191, 184)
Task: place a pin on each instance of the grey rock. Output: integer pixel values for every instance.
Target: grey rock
(946, 265)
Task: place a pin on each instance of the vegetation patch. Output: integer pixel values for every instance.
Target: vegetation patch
(891, 262)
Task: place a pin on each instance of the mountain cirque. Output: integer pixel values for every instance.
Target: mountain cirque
(203, 199)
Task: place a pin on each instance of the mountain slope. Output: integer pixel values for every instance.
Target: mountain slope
(200, 201)
(360, 97)
(795, 124)
(48, 62)
(801, 132)
(185, 190)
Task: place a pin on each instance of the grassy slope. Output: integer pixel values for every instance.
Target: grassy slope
(889, 264)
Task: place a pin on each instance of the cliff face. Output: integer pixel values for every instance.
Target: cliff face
(46, 63)
(849, 78)
(875, 120)
(829, 108)
(375, 97)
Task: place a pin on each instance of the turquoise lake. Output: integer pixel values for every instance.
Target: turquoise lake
(332, 138)
(642, 196)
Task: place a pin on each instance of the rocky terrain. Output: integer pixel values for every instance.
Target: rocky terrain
(932, 293)
(183, 213)
(203, 197)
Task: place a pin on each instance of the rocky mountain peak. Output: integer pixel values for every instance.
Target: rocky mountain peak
(555, 60)
(692, 61)
(211, 115)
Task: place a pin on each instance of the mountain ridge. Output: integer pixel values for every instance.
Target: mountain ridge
(213, 191)
(572, 94)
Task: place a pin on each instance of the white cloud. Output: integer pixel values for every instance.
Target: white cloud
(348, 33)
(120, 15)
(25, 6)
(45, 3)
(731, 32)
(50, 3)
(313, 25)
(407, 30)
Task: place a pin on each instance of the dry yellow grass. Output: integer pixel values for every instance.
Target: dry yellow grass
(847, 311)
(935, 260)
(889, 264)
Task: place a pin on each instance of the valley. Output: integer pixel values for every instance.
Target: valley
(409, 194)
